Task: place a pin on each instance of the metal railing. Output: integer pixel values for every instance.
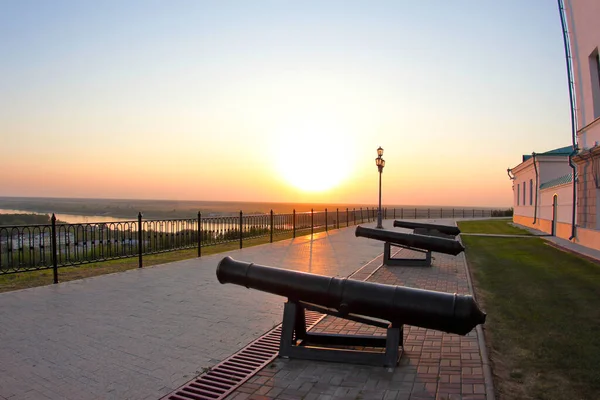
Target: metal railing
(38, 247)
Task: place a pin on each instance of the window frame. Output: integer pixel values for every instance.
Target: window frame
(531, 192)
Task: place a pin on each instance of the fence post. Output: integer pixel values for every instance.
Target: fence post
(402, 213)
(361, 216)
(394, 212)
(347, 218)
(311, 221)
(326, 220)
(354, 215)
(271, 226)
(294, 223)
(474, 211)
(54, 250)
(415, 212)
(241, 228)
(453, 213)
(199, 234)
(429, 213)
(140, 249)
(337, 217)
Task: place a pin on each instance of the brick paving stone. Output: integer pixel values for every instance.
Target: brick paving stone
(434, 365)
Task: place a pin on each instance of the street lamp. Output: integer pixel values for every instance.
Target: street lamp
(380, 162)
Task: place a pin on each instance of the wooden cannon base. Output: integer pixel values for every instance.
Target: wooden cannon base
(296, 342)
(405, 262)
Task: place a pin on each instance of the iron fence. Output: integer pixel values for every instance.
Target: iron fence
(38, 247)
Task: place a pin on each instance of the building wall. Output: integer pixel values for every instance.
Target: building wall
(563, 230)
(547, 170)
(553, 168)
(588, 238)
(521, 177)
(583, 23)
(587, 192)
(585, 237)
(564, 210)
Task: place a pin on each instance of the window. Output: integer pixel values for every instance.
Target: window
(595, 80)
(518, 194)
(524, 193)
(531, 192)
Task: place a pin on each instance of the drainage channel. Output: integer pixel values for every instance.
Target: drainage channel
(224, 378)
(231, 373)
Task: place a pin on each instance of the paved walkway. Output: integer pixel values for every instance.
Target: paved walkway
(143, 333)
(434, 365)
(564, 243)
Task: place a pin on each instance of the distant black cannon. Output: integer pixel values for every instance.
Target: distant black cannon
(365, 302)
(420, 243)
(428, 229)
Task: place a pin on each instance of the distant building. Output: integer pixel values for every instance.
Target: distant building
(582, 19)
(543, 192)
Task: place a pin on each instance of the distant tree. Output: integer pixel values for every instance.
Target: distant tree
(26, 219)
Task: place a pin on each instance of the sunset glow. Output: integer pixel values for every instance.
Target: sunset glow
(279, 101)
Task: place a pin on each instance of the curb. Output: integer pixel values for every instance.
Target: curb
(485, 360)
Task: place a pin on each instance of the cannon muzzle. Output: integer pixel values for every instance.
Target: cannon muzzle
(431, 243)
(454, 313)
(445, 229)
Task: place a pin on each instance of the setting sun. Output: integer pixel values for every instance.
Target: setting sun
(314, 157)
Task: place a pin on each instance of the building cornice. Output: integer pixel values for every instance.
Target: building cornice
(524, 165)
(540, 159)
(584, 155)
(589, 126)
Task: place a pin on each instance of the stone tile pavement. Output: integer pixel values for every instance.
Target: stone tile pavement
(142, 333)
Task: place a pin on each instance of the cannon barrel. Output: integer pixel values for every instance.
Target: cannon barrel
(423, 242)
(454, 313)
(446, 229)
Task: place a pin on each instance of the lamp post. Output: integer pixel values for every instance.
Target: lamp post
(380, 162)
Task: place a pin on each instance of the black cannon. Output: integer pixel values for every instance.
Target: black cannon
(428, 229)
(419, 243)
(365, 302)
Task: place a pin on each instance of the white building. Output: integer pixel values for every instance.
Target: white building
(543, 192)
(582, 31)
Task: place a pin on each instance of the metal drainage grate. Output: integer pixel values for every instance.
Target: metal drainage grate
(231, 373)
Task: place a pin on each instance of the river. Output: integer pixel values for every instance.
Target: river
(71, 218)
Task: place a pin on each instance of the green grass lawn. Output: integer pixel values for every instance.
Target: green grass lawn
(493, 226)
(543, 323)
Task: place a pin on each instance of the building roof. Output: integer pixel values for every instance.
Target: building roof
(561, 151)
(557, 181)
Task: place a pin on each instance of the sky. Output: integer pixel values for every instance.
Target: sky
(278, 101)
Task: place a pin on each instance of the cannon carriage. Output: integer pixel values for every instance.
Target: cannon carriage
(418, 243)
(385, 306)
